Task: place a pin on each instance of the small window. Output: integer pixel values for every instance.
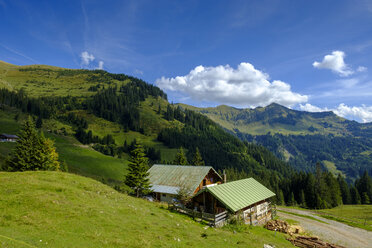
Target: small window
(204, 182)
(164, 195)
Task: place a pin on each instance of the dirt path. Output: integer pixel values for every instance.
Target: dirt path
(333, 232)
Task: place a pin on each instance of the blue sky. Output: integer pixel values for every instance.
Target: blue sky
(308, 55)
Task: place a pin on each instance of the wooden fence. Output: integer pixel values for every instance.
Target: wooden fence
(212, 219)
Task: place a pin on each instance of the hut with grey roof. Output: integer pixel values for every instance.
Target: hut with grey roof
(167, 180)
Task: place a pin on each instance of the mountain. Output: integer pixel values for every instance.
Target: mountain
(94, 117)
(301, 138)
(55, 209)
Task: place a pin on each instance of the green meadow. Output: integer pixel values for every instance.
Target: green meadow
(55, 209)
(352, 215)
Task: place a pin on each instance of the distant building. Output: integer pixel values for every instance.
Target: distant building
(167, 180)
(8, 137)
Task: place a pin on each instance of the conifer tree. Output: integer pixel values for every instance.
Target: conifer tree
(345, 192)
(180, 157)
(197, 160)
(33, 151)
(137, 177)
(39, 122)
(355, 197)
(291, 200)
(302, 199)
(365, 198)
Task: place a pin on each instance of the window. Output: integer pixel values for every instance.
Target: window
(164, 195)
(204, 182)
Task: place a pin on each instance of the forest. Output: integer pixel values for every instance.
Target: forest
(347, 152)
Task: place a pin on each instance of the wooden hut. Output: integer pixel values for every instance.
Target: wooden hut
(246, 199)
(167, 180)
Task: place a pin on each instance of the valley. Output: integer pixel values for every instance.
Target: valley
(301, 138)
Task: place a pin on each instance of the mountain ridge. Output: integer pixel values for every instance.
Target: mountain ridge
(301, 138)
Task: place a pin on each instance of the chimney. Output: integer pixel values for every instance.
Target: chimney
(224, 176)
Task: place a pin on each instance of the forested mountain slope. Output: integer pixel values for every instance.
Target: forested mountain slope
(106, 112)
(301, 138)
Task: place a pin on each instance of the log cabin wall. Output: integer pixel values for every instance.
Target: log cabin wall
(210, 178)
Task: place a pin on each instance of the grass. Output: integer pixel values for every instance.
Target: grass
(303, 216)
(331, 167)
(54, 209)
(80, 159)
(43, 81)
(353, 215)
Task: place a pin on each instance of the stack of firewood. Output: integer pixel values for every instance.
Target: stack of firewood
(311, 242)
(277, 225)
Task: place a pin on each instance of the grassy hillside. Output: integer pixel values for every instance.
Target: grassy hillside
(54, 209)
(43, 80)
(98, 107)
(275, 118)
(80, 159)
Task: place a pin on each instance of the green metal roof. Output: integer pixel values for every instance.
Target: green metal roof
(178, 175)
(239, 194)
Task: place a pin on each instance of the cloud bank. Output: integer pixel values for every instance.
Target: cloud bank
(335, 62)
(363, 112)
(244, 86)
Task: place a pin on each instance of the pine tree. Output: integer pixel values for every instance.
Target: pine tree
(291, 200)
(364, 184)
(180, 157)
(197, 160)
(345, 191)
(33, 151)
(39, 122)
(137, 177)
(365, 198)
(355, 197)
(302, 199)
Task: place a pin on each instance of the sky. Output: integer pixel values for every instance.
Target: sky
(305, 55)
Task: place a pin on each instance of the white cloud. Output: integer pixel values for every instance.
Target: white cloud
(362, 69)
(243, 87)
(311, 108)
(136, 71)
(336, 63)
(86, 58)
(100, 65)
(363, 113)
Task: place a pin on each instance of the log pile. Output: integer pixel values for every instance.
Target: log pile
(311, 242)
(277, 225)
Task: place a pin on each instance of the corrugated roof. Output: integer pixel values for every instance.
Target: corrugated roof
(165, 189)
(9, 136)
(239, 194)
(178, 175)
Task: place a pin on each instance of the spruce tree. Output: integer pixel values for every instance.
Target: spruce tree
(197, 160)
(355, 197)
(137, 177)
(39, 122)
(365, 198)
(302, 199)
(33, 151)
(180, 157)
(345, 191)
